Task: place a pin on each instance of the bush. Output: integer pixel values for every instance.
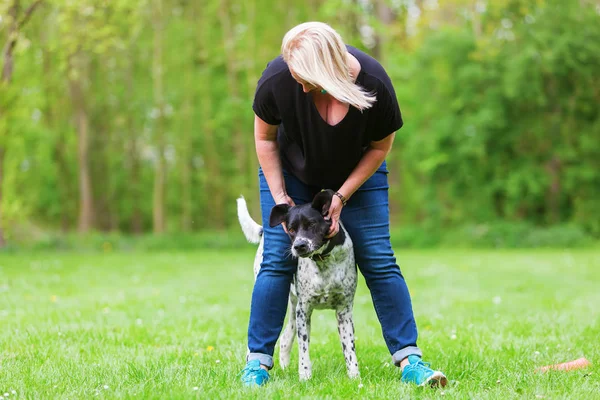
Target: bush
(490, 235)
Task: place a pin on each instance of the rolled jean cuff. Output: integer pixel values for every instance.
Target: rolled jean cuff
(264, 359)
(405, 352)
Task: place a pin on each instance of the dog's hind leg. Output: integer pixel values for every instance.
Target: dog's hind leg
(287, 339)
(346, 331)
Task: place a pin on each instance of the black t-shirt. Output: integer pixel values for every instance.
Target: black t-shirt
(315, 152)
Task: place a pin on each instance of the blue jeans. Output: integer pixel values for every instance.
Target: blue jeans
(366, 218)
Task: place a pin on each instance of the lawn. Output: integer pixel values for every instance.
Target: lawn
(173, 325)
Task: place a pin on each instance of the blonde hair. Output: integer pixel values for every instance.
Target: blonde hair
(316, 53)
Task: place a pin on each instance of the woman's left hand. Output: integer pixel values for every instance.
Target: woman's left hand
(334, 215)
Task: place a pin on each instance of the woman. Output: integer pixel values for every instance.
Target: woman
(326, 115)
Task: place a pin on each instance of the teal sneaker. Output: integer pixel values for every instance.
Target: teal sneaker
(254, 375)
(418, 372)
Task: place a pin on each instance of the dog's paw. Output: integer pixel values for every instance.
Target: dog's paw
(284, 360)
(305, 375)
(353, 374)
(304, 370)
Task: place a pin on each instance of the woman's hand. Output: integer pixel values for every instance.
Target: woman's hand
(284, 199)
(334, 216)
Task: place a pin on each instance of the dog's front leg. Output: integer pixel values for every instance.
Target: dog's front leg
(346, 331)
(303, 314)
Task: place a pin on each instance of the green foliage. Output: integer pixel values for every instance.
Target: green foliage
(500, 108)
(503, 125)
(491, 235)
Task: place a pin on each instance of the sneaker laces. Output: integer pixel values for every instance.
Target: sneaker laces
(421, 365)
(248, 370)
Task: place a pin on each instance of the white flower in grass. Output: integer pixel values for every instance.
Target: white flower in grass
(195, 388)
(360, 385)
(105, 387)
(497, 300)
(6, 395)
(1, 398)
(453, 337)
(14, 392)
(218, 361)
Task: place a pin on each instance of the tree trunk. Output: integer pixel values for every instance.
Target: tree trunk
(2, 238)
(387, 17)
(184, 155)
(86, 204)
(7, 71)
(212, 176)
(59, 152)
(158, 205)
(111, 220)
(253, 75)
(553, 168)
(240, 150)
(133, 153)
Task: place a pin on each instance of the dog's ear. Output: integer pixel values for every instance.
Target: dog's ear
(278, 214)
(322, 201)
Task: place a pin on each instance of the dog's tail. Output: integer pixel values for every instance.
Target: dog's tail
(251, 229)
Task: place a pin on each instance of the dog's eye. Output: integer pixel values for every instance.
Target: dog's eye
(292, 231)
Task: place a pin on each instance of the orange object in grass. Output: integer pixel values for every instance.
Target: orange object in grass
(567, 366)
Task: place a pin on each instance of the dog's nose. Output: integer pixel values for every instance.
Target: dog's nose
(301, 247)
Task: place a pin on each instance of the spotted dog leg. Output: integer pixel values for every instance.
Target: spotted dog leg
(303, 313)
(287, 338)
(346, 331)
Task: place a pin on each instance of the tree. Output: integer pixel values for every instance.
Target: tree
(17, 19)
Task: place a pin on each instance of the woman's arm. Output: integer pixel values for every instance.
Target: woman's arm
(368, 164)
(267, 150)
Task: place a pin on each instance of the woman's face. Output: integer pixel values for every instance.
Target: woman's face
(306, 87)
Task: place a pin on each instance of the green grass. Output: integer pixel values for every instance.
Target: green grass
(173, 325)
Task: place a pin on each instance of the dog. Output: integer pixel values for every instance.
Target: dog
(326, 277)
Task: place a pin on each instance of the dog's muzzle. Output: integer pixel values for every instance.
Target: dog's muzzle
(301, 247)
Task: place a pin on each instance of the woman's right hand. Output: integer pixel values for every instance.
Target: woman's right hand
(284, 199)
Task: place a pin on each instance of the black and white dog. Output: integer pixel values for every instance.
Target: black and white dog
(326, 276)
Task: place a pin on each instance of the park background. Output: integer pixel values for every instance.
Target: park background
(126, 136)
(134, 117)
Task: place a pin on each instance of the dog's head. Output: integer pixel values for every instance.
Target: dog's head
(306, 224)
